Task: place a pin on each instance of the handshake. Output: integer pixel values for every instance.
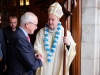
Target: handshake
(39, 56)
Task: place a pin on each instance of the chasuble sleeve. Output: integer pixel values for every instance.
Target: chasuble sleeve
(38, 45)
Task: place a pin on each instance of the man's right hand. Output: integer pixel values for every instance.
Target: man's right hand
(39, 56)
(0, 59)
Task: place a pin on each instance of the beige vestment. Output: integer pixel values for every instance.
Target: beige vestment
(55, 66)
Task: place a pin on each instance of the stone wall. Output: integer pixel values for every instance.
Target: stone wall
(90, 51)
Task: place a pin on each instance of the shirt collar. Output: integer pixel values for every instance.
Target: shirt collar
(24, 31)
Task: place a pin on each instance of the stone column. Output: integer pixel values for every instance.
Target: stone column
(90, 52)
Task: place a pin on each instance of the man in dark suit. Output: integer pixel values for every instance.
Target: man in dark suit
(21, 56)
(2, 53)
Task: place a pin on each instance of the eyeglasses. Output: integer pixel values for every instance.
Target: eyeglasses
(32, 23)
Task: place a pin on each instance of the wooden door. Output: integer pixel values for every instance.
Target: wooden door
(76, 33)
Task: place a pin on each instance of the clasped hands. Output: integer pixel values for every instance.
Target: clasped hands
(39, 56)
(5, 67)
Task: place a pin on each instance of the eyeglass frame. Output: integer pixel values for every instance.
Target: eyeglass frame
(33, 23)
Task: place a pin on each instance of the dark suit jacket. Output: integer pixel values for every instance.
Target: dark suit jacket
(21, 56)
(2, 63)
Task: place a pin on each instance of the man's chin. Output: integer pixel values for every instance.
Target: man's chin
(51, 27)
(13, 28)
(31, 33)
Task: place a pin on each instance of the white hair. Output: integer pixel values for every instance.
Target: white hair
(27, 17)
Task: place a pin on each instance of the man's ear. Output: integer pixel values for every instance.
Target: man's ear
(26, 25)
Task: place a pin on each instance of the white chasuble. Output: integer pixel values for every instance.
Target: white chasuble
(55, 67)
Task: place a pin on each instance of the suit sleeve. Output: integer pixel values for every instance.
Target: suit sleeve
(26, 55)
(2, 43)
(3, 50)
(1, 54)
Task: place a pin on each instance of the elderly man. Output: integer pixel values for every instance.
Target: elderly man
(50, 43)
(21, 57)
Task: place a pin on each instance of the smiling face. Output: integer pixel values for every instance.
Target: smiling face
(52, 21)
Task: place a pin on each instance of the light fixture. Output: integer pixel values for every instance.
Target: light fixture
(21, 2)
(27, 2)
